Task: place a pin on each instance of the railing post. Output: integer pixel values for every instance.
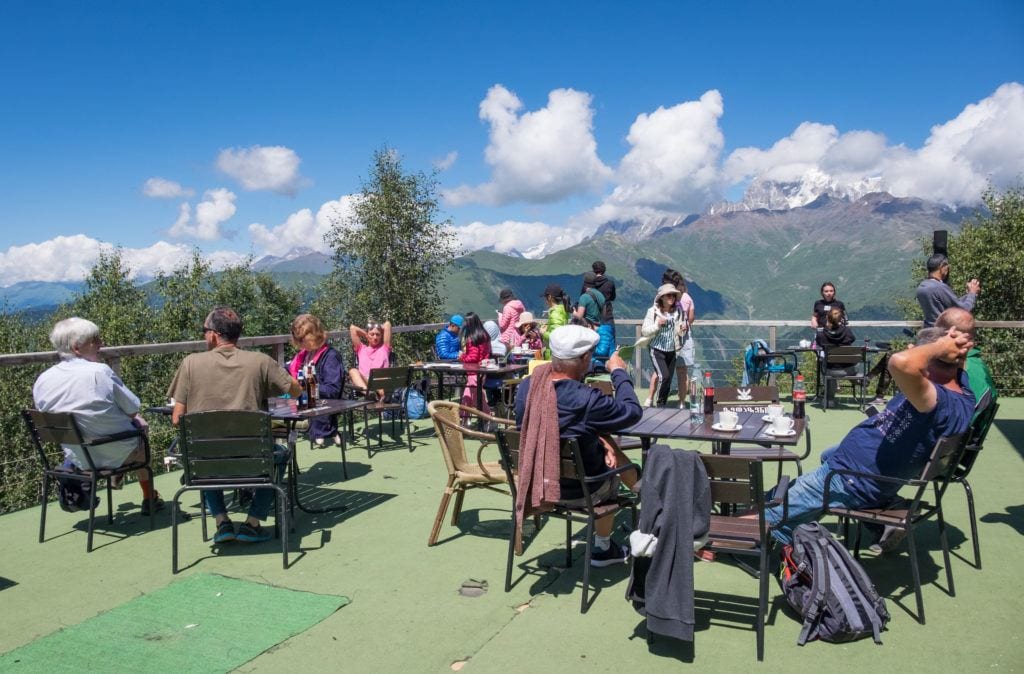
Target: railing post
(278, 351)
(115, 364)
(637, 357)
(771, 337)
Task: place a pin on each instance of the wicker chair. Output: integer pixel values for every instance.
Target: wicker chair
(463, 473)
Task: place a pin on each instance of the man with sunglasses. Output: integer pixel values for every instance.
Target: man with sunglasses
(226, 377)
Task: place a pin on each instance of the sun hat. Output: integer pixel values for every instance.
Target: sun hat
(666, 289)
(524, 318)
(572, 341)
(456, 319)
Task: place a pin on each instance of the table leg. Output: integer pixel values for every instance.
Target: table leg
(293, 451)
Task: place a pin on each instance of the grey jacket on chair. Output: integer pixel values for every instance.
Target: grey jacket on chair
(675, 507)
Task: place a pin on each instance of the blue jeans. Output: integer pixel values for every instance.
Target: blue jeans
(805, 502)
(262, 499)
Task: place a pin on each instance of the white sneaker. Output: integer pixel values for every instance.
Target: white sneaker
(889, 541)
(647, 403)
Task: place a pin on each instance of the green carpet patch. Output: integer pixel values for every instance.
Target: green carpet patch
(204, 623)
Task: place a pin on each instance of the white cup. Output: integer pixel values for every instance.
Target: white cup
(728, 419)
(775, 411)
(782, 424)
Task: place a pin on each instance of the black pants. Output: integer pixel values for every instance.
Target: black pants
(665, 366)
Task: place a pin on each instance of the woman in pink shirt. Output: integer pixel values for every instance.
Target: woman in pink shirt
(373, 350)
(475, 349)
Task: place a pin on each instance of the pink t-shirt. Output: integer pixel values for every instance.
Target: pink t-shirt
(371, 358)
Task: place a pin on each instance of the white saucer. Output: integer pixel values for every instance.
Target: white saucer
(767, 418)
(784, 434)
(723, 429)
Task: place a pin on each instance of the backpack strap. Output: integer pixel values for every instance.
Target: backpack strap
(819, 586)
(867, 595)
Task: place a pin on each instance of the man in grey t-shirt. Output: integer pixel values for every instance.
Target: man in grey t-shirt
(935, 296)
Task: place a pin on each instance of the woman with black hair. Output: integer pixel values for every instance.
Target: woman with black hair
(558, 309)
(476, 348)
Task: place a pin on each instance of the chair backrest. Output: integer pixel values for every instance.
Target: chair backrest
(737, 481)
(389, 379)
(571, 460)
(985, 414)
(226, 445)
(750, 394)
(445, 416)
(54, 428)
(844, 356)
(944, 458)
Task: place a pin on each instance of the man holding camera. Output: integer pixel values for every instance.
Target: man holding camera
(935, 296)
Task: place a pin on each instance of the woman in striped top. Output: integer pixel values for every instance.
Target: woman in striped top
(662, 324)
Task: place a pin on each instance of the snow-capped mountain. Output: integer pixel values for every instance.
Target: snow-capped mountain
(782, 196)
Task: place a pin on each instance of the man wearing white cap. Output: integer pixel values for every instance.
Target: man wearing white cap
(586, 414)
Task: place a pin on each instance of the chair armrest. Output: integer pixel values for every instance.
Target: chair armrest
(783, 500)
(123, 435)
(906, 482)
(601, 477)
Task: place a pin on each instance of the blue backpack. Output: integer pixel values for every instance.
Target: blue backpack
(757, 365)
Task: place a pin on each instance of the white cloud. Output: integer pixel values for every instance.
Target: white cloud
(447, 161)
(672, 163)
(69, 258)
(302, 229)
(983, 144)
(540, 156)
(524, 237)
(162, 188)
(274, 168)
(216, 207)
(786, 160)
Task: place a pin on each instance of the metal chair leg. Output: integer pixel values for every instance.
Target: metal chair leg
(974, 523)
(92, 513)
(511, 551)
(44, 498)
(110, 502)
(568, 542)
(944, 540)
(586, 567)
(917, 576)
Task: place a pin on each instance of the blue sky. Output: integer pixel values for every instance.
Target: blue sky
(594, 110)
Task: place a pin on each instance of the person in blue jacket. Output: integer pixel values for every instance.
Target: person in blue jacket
(447, 341)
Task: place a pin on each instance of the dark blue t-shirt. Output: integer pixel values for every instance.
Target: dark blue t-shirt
(898, 441)
(585, 413)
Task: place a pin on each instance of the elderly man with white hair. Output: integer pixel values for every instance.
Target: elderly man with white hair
(100, 402)
(585, 413)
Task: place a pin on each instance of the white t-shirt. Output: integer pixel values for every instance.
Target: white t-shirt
(100, 401)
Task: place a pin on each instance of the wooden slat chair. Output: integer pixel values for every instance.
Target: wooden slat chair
(463, 473)
(388, 380)
(985, 413)
(738, 482)
(53, 429)
(229, 449)
(758, 398)
(590, 512)
(907, 514)
(845, 363)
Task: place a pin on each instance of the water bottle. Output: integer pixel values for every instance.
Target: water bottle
(799, 397)
(696, 401)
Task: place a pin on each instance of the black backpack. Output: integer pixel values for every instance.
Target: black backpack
(830, 589)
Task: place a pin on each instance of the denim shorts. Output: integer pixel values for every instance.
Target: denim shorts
(805, 502)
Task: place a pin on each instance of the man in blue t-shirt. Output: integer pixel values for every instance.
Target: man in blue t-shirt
(934, 400)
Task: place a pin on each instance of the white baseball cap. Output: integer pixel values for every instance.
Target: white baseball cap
(572, 341)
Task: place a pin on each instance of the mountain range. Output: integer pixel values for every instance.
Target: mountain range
(742, 260)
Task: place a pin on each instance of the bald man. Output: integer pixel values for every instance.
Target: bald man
(978, 374)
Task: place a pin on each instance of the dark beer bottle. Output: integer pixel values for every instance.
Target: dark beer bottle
(709, 396)
(314, 387)
(303, 390)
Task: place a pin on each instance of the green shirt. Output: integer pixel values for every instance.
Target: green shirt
(979, 377)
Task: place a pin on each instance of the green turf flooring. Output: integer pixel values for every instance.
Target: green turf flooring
(204, 623)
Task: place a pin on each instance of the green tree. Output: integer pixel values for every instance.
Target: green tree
(185, 297)
(266, 307)
(990, 247)
(391, 255)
